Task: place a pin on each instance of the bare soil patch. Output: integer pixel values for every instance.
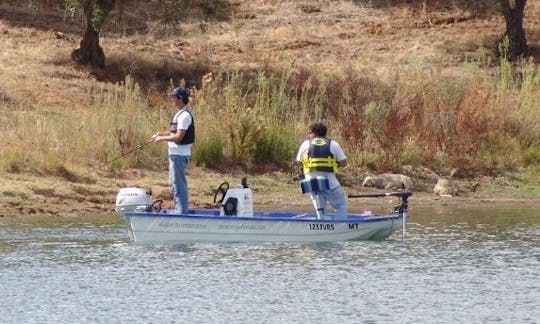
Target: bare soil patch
(34, 195)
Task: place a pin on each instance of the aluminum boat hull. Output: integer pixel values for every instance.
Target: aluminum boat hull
(204, 225)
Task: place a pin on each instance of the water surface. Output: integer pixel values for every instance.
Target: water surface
(456, 265)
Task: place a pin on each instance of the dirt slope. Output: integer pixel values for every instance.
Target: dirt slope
(36, 71)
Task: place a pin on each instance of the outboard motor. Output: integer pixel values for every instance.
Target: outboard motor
(132, 199)
(237, 201)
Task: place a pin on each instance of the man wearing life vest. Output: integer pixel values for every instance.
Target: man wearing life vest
(321, 156)
(179, 138)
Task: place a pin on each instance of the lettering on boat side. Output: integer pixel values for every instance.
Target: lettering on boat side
(321, 227)
(353, 226)
(242, 227)
(176, 225)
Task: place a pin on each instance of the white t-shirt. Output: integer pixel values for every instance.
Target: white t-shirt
(183, 120)
(335, 149)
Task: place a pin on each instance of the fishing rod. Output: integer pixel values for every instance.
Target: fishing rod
(135, 149)
(138, 147)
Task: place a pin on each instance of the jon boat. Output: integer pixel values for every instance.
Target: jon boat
(235, 221)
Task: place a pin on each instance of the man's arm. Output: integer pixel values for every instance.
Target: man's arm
(176, 137)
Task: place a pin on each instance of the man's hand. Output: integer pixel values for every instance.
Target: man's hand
(155, 136)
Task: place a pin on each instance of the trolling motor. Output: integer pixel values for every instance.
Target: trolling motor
(236, 201)
(403, 204)
(399, 209)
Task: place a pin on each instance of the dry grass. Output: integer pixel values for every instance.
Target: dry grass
(270, 32)
(37, 77)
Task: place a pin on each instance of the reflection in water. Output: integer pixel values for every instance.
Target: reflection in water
(474, 265)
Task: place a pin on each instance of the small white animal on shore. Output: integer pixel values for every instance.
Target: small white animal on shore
(389, 181)
(444, 188)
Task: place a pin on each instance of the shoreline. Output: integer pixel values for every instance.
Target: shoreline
(26, 195)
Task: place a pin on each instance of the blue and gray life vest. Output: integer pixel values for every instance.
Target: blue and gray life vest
(189, 136)
(319, 157)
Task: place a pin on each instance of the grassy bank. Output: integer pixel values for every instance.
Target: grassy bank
(479, 119)
(400, 91)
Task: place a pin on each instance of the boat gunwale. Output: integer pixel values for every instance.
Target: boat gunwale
(360, 218)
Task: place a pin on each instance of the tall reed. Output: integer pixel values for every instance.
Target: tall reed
(481, 119)
(94, 137)
(249, 117)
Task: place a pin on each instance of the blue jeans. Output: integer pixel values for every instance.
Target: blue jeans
(177, 178)
(336, 197)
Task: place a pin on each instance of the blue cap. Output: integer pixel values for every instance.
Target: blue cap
(179, 92)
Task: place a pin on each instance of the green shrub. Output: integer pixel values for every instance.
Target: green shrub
(422, 116)
(208, 151)
(531, 157)
(277, 146)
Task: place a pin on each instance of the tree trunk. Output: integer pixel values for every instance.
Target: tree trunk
(513, 11)
(90, 52)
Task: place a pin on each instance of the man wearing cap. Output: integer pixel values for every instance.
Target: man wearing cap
(179, 138)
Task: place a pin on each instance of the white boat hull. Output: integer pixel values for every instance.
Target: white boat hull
(152, 227)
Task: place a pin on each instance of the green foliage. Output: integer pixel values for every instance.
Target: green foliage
(277, 146)
(208, 151)
(422, 117)
(411, 154)
(484, 119)
(99, 13)
(524, 121)
(531, 157)
(250, 114)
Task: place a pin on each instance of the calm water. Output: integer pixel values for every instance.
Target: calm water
(471, 266)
